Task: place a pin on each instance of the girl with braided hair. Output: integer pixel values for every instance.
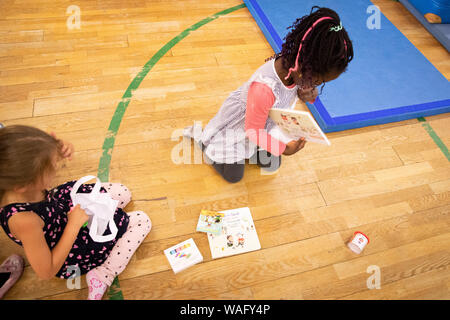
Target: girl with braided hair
(316, 50)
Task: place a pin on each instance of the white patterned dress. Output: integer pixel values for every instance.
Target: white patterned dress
(224, 136)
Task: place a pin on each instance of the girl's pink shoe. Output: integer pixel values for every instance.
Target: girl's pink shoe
(14, 265)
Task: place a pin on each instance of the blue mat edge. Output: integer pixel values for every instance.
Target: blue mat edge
(370, 118)
(323, 118)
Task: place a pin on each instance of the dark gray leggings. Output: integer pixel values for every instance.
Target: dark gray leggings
(235, 171)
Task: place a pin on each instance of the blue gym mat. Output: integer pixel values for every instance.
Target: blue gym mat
(388, 80)
(440, 31)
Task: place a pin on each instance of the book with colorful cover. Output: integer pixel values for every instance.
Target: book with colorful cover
(238, 234)
(296, 124)
(210, 221)
(183, 255)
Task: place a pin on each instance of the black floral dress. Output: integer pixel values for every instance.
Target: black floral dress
(85, 253)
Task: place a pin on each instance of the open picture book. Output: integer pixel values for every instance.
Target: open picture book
(238, 234)
(295, 124)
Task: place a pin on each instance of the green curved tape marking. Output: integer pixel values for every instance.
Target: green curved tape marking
(108, 144)
(114, 292)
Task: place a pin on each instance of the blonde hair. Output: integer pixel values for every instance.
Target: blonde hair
(26, 154)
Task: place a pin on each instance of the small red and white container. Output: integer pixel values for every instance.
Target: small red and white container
(358, 242)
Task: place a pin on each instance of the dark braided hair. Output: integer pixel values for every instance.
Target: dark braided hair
(323, 51)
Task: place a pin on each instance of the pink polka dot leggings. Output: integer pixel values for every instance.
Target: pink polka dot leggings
(138, 228)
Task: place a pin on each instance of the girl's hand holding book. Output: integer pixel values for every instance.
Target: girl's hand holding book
(294, 146)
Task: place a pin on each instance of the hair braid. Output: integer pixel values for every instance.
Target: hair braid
(323, 51)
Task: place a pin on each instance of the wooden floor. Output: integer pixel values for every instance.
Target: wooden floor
(390, 181)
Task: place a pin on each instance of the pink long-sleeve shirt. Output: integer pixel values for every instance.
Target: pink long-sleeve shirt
(260, 99)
